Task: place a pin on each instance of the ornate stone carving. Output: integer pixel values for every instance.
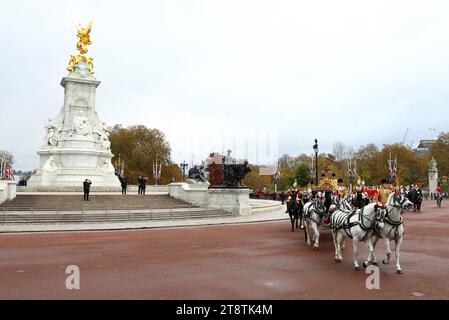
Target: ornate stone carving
(197, 173)
(106, 144)
(51, 165)
(52, 134)
(80, 126)
(433, 165)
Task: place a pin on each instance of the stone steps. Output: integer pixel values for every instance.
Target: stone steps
(51, 209)
(27, 218)
(96, 202)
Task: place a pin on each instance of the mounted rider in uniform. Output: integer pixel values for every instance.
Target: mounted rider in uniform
(384, 192)
(342, 191)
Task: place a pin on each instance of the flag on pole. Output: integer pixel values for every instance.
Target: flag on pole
(392, 168)
(157, 168)
(8, 174)
(352, 169)
(2, 160)
(122, 169)
(276, 174)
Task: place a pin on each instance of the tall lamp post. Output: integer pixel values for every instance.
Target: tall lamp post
(184, 166)
(315, 149)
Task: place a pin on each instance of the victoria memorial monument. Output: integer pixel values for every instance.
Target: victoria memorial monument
(76, 144)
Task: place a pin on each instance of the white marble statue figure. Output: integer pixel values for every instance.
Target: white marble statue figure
(227, 159)
(105, 137)
(81, 126)
(97, 133)
(106, 143)
(433, 165)
(50, 165)
(106, 130)
(52, 136)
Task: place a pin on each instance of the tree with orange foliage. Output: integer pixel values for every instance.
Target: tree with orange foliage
(139, 146)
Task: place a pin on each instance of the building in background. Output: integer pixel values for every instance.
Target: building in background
(424, 146)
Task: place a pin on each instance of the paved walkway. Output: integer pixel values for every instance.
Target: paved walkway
(247, 261)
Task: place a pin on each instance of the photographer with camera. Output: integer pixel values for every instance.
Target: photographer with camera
(86, 185)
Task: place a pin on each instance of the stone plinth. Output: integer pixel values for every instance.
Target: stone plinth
(7, 190)
(231, 200)
(433, 176)
(227, 199)
(76, 144)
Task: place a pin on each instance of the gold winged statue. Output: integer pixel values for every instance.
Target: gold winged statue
(84, 37)
(84, 40)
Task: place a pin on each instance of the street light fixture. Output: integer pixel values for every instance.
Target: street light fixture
(184, 166)
(316, 150)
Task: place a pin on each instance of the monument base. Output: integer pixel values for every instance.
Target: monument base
(235, 200)
(230, 199)
(7, 190)
(73, 180)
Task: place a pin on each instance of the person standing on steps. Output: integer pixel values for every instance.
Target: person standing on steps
(143, 186)
(139, 184)
(124, 183)
(86, 186)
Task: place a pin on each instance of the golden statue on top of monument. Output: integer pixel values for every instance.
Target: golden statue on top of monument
(83, 41)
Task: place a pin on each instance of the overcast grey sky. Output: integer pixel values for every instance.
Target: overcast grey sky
(216, 74)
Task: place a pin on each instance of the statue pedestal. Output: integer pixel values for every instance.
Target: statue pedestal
(230, 199)
(7, 190)
(76, 146)
(433, 181)
(433, 176)
(227, 199)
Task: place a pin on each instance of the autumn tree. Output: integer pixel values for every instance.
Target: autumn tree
(255, 180)
(8, 156)
(139, 147)
(302, 174)
(412, 168)
(368, 167)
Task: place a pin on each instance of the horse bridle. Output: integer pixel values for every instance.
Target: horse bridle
(387, 219)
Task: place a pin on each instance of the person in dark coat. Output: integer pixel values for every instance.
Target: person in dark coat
(124, 183)
(139, 184)
(144, 186)
(283, 196)
(86, 186)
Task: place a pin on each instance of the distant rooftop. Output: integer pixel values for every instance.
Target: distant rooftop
(424, 146)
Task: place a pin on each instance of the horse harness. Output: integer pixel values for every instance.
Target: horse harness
(345, 223)
(395, 224)
(321, 212)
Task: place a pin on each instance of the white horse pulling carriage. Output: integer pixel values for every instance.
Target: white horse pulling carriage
(368, 225)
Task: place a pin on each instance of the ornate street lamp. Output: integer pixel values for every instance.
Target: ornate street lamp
(316, 150)
(184, 165)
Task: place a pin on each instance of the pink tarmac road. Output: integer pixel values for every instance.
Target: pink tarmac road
(249, 261)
